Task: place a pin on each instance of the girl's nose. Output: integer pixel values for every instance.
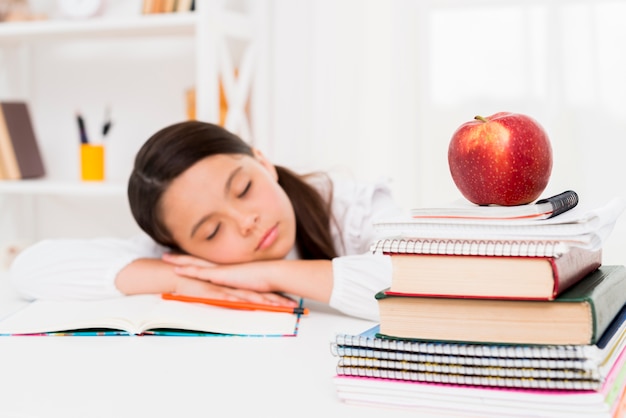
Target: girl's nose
(248, 222)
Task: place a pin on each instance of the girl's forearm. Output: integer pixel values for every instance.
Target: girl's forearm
(311, 279)
(156, 276)
(146, 275)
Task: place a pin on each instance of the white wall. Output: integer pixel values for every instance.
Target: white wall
(374, 88)
(389, 82)
(378, 88)
(142, 81)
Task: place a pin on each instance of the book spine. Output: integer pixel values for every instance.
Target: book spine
(3, 174)
(10, 165)
(604, 291)
(607, 301)
(22, 136)
(573, 267)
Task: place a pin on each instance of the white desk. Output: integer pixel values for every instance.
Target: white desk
(85, 377)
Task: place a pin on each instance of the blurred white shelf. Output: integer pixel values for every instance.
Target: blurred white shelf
(166, 24)
(61, 188)
(179, 23)
(207, 25)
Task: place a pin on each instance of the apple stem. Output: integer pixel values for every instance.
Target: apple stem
(480, 118)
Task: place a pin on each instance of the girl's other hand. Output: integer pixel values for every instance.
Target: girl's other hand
(194, 286)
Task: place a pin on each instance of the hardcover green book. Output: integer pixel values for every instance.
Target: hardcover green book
(578, 316)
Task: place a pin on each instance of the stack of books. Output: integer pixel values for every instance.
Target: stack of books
(494, 316)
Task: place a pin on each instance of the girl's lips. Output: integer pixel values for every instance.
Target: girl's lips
(268, 239)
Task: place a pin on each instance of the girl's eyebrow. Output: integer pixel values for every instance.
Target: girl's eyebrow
(227, 187)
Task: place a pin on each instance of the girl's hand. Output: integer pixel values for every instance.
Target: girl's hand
(201, 278)
(204, 289)
(310, 279)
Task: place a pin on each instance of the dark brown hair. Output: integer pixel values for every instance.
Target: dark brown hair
(172, 150)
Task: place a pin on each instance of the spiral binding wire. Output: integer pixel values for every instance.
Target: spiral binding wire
(510, 248)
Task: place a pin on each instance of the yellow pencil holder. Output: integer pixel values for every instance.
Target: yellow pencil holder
(92, 162)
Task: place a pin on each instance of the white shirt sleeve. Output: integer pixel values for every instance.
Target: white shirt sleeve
(77, 268)
(357, 279)
(357, 273)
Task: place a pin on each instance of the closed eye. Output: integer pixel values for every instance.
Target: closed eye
(214, 233)
(245, 190)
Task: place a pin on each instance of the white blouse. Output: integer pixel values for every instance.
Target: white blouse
(86, 269)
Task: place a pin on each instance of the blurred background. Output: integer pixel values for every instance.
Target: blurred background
(370, 88)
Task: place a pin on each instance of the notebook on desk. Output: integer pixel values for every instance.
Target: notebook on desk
(144, 315)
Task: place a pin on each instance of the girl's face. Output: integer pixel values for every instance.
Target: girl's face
(230, 209)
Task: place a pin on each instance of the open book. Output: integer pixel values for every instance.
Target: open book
(144, 315)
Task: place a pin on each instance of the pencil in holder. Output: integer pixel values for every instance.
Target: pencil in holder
(92, 162)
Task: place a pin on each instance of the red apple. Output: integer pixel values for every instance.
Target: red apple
(504, 159)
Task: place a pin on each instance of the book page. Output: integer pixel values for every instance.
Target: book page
(43, 316)
(206, 318)
(136, 314)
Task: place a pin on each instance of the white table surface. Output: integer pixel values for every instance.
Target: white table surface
(176, 376)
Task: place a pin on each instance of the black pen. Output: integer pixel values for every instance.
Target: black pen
(81, 129)
(107, 123)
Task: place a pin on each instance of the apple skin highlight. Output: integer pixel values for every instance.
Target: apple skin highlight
(504, 159)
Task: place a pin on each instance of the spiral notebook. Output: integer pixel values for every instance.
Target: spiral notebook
(455, 400)
(444, 246)
(368, 354)
(610, 344)
(588, 225)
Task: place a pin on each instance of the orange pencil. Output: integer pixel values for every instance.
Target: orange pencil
(235, 304)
